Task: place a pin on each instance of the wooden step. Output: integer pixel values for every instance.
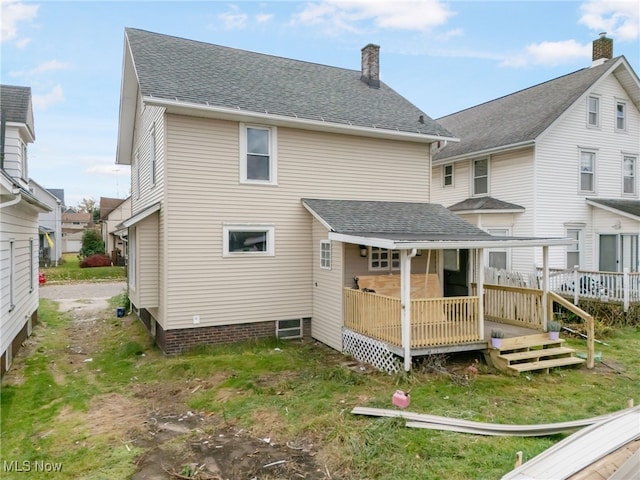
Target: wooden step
(545, 364)
(537, 354)
(528, 341)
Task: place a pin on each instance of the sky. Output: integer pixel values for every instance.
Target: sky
(443, 56)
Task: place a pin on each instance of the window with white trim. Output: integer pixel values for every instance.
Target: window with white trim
(383, 259)
(258, 162)
(23, 161)
(498, 257)
(481, 176)
(573, 250)
(593, 111)
(325, 254)
(621, 116)
(587, 171)
(629, 174)
(289, 328)
(447, 175)
(253, 239)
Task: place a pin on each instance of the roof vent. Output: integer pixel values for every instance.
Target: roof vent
(421, 119)
(371, 65)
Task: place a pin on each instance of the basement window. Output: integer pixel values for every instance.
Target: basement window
(289, 328)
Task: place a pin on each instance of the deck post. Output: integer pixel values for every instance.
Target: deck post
(545, 286)
(405, 304)
(625, 286)
(480, 290)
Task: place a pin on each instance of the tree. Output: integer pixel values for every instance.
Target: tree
(89, 206)
(91, 243)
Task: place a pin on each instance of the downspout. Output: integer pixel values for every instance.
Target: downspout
(405, 303)
(18, 199)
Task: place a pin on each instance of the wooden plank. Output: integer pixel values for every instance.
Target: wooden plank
(537, 353)
(528, 341)
(422, 286)
(544, 364)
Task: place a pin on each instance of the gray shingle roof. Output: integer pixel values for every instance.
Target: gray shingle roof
(484, 203)
(519, 117)
(15, 102)
(395, 220)
(631, 207)
(174, 68)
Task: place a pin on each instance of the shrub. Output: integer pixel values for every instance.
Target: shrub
(91, 244)
(98, 260)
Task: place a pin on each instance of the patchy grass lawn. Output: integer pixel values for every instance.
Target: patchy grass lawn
(100, 400)
(69, 270)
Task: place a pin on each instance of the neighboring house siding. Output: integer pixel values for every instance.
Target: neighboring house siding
(20, 225)
(204, 193)
(557, 168)
(327, 291)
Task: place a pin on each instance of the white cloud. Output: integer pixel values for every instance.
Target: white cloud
(347, 15)
(264, 17)
(12, 14)
(619, 19)
(234, 19)
(45, 101)
(456, 32)
(44, 67)
(108, 168)
(549, 54)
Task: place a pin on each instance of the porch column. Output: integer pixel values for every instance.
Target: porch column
(405, 304)
(545, 286)
(480, 292)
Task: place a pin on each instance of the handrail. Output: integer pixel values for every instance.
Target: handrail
(588, 319)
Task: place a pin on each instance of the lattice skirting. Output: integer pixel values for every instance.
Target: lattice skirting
(368, 350)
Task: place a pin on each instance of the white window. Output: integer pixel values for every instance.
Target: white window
(498, 257)
(289, 328)
(383, 259)
(153, 155)
(587, 171)
(12, 275)
(447, 175)
(325, 254)
(629, 174)
(252, 239)
(593, 111)
(481, 177)
(621, 116)
(573, 250)
(258, 154)
(23, 160)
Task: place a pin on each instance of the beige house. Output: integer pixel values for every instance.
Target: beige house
(113, 211)
(262, 186)
(19, 209)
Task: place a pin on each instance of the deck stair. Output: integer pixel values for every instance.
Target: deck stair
(531, 353)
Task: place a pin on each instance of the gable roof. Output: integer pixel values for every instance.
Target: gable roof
(15, 103)
(179, 73)
(519, 118)
(627, 208)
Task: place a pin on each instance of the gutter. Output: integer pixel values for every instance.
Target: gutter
(10, 203)
(488, 151)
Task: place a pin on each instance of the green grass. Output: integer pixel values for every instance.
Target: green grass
(307, 391)
(69, 270)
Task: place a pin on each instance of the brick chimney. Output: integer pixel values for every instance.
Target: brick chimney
(371, 65)
(602, 50)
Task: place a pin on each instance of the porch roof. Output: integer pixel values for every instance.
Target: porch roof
(626, 208)
(407, 225)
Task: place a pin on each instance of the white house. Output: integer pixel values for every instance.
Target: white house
(557, 159)
(50, 225)
(19, 210)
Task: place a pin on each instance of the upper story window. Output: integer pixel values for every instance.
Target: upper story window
(248, 240)
(587, 171)
(447, 175)
(593, 112)
(258, 154)
(621, 116)
(153, 155)
(325, 254)
(23, 161)
(629, 174)
(383, 259)
(481, 177)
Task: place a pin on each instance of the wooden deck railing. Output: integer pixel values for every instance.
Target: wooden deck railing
(588, 321)
(434, 321)
(513, 305)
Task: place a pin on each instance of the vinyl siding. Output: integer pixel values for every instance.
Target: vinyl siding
(20, 224)
(557, 171)
(204, 193)
(147, 237)
(327, 320)
(13, 154)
